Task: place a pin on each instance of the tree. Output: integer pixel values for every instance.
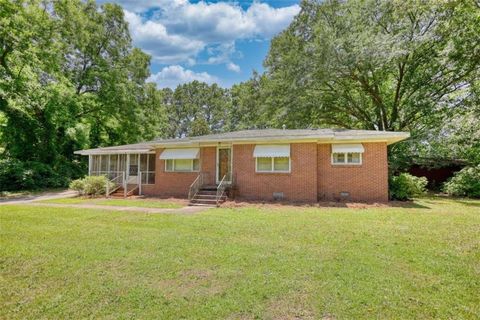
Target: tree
(247, 110)
(197, 108)
(381, 65)
(71, 79)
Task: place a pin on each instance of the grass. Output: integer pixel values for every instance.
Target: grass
(146, 203)
(246, 263)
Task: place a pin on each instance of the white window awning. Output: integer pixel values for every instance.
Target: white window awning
(271, 151)
(345, 148)
(183, 153)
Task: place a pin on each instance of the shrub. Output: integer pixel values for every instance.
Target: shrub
(91, 186)
(405, 186)
(29, 175)
(465, 183)
(77, 185)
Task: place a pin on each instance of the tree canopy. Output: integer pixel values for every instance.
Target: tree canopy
(380, 65)
(71, 79)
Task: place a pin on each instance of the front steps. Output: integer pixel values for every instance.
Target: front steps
(207, 197)
(120, 193)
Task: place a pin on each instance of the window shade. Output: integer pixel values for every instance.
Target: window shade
(272, 151)
(347, 148)
(184, 153)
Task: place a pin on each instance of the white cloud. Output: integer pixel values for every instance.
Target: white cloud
(154, 38)
(172, 76)
(233, 67)
(176, 31)
(144, 5)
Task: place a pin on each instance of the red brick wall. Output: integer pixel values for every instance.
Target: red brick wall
(177, 184)
(365, 182)
(298, 185)
(208, 160)
(312, 175)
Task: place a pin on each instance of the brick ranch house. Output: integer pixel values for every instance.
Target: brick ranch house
(292, 165)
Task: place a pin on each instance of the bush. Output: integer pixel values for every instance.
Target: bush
(77, 185)
(465, 183)
(405, 186)
(29, 175)
(91, 186)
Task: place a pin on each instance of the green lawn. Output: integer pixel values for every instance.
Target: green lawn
(246, 263)
(146, 203)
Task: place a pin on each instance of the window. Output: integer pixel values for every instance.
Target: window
(347, 158)
(270, 164)
(182, 165)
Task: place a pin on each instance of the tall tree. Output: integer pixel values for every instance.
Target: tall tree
(373, 64)
(247, 104)
(197, 108)
(70, 79)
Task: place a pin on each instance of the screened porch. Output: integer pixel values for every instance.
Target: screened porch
(135, 168)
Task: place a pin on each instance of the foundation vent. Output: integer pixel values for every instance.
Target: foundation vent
(278, 196)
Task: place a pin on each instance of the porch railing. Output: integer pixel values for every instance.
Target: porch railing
(195, 186)
(115, 183)
(221, 188)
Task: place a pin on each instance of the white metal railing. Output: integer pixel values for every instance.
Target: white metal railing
(118, 181)
(195, 186)
(221, 189)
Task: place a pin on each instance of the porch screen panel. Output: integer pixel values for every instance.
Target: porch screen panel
(113, 163)
(122, 162)
(104, 163)
(151, 169)
(133, 170)
(148, 171)
(144, 162)
(95, 164)
(151, 162)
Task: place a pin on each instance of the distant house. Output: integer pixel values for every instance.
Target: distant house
(291, 165)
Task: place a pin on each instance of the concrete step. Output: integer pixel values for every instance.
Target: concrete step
(207, 201)
(207, 196)
(212, 194)
(210, 187)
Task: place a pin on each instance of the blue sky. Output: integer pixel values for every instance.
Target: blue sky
(211, 41)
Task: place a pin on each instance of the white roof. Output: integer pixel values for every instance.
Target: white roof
(181, 153)
(344, 148)
(272, 151)
(271, 136)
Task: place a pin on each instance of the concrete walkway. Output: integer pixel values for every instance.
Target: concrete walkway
(184, 210)
(39, 197)
(33, 201)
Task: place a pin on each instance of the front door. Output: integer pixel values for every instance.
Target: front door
(224, 164)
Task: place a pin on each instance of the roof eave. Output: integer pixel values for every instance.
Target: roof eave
(389, 138)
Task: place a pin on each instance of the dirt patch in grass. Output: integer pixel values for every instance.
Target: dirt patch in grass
(180, 201)
(191, 283)
(291, 307)
(323, 204)
(122, 202)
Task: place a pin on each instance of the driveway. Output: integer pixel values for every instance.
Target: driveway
(40, 196)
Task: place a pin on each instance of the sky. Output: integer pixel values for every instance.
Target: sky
(212, 41)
